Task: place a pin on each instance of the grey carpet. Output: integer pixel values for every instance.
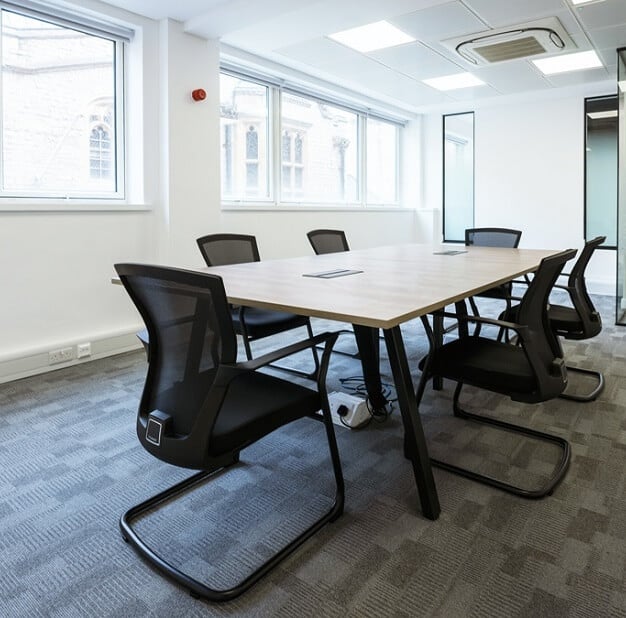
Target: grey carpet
(71, 465)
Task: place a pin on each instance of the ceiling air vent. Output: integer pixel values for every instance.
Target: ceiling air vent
(538, 38)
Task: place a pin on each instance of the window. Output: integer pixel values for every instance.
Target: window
(382, 162)
(292, 167)
(283, 146)
(61, 109)
(331, 133)
(244, 120)
(458, 175)
(601, 169)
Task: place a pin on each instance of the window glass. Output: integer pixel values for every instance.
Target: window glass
(293, 148)
(601, 169)
(319, 151)
(244, 115)
(458, 175)
(382, 163)
(59, 114)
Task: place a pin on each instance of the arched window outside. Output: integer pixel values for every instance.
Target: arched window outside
(100, 159)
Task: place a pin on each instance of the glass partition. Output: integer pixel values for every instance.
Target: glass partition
(620, 308)
(601, 169)
(458, 175)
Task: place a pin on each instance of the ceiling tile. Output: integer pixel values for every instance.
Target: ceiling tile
(512, 77)
(500, 13)
(417, 61)
(608, 37)
(573, 78)
(439, 22)
(602, 14)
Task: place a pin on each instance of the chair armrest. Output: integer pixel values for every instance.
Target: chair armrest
(274, 355)
(228, 371)
(490, 321)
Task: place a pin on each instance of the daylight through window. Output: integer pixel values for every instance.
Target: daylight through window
(61, 108)
(286, 147)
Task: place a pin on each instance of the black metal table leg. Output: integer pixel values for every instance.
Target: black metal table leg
(415, 442)
(438, 333)
(369, 351)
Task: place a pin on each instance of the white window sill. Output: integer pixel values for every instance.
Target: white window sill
(30, 205)
(259, 207)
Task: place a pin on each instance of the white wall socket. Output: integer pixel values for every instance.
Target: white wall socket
(83, 350)
(62, 355)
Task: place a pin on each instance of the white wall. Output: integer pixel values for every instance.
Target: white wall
(529, 174)
(57, 266)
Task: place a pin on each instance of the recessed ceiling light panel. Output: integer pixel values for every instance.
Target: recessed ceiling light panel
(452, 82)
(379, 35)
(568, 62)
(576, 2)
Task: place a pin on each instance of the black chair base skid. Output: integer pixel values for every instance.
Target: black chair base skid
(547, 489)
(197, 588)
(594, 394)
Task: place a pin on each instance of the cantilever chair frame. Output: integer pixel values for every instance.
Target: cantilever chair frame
(242, 310)
(525, 338)
(589, 317)
(226, 373)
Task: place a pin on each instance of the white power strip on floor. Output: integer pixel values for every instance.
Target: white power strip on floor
(347, 409)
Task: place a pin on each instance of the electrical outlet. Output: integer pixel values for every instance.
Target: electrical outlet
(83, 350)
(60, 356)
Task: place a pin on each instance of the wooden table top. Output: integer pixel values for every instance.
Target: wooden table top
(398, 283)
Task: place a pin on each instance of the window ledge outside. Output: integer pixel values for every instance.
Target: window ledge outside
(231, 207)
(23, 206)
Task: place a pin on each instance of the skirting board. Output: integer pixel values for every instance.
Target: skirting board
(33, 364)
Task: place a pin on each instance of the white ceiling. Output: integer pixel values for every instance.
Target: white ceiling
(294, 33)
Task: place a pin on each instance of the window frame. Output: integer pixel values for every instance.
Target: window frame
(587, 100)
(120, 37)
(443, 173)
(276, 201)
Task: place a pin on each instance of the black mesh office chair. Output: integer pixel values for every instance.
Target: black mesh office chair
(328, 241)
(200, 407)
(493, 237)
(531, 371)
(579, 321)
(331, 241)
(252, 323)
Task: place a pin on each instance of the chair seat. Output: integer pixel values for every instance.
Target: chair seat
(265, 322)
(485, 363)
(255, 405)
(502, 291)
(567, 323)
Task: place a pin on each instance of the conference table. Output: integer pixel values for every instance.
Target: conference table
(381, 288)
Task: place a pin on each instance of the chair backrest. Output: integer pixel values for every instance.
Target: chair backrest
(190, 329)
(589, 317)
(492, 237)
(328, 241)
(224, 249)
(532, 311)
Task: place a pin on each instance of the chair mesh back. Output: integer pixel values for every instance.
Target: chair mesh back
(582, 300)
(224, 249)
(533, 308)
(493, 237)
(190, 333)
(328, 241)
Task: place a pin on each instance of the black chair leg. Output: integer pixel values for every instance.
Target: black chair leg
(198, 589)
(594, 394)
(548, 488)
